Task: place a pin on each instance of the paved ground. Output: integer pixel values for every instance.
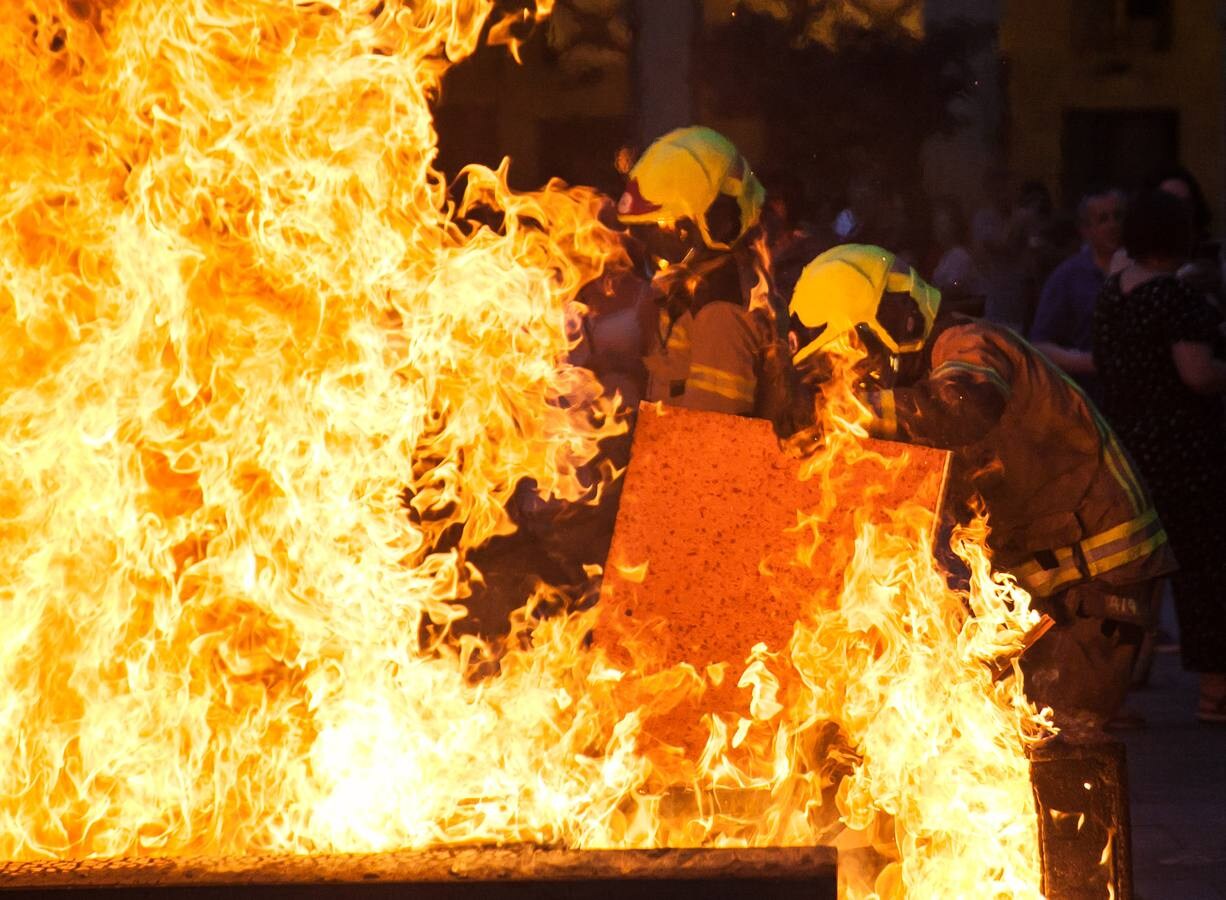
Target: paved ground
(1177, 774)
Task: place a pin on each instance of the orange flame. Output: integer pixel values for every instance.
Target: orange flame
(266, 387)
(241, 318)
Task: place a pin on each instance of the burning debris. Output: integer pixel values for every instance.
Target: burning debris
(716, 512)
(241, 315)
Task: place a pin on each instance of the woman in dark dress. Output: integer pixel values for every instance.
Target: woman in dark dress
(1153, 349)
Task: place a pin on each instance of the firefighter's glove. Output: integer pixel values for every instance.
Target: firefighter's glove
(805, 443)
(1062, 608)
(883, 410)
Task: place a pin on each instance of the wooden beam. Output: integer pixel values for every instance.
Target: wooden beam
(454, 865)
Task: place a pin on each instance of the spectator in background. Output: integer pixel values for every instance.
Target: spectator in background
(1203, 270)
(1061, 239)
(1182, 183)
(875, 212)
(783, 212)
(998, 256)
(1028, 231)
(1034, 202)
(952, 268)
(860, 216)
(791, 238)
(1162, 388)
(1063, 326)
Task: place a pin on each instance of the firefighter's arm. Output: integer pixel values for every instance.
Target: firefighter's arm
(958, 403)
(721, 377)
(948, 413)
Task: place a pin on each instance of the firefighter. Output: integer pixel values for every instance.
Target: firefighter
(1069, 517)
(695, 204)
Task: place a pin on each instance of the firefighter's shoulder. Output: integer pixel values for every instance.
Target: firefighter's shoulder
(975, 350)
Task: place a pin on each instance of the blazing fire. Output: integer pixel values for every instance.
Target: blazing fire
(267, 386)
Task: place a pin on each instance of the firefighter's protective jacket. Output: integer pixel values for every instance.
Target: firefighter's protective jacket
(713, 360)
(1064, 501)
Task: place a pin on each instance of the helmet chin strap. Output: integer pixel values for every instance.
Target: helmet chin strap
(910, 367)
(876, 366)
(687, 276)
(897, 370)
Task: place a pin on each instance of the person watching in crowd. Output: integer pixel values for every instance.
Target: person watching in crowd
(954, 272)
(1153, 350)
(1063, 326)
(999, 252)
(1203, 270)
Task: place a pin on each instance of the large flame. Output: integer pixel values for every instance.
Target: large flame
(266, 386)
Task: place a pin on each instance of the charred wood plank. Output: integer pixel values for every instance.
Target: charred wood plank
(1081, 791)
(516, 871)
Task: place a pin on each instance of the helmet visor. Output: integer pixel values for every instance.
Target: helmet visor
(861, 349)
(873, 361)
(802, 337)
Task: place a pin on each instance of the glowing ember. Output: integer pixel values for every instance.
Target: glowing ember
(239, 318)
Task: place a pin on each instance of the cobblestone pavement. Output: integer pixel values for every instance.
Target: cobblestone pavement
(1177, 781)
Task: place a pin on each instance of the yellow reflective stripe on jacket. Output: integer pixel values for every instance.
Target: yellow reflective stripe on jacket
(1041, 582)
(1124, 543)
(1116, 459)
(1105, 538)
(678, 340)
(1100, 553)
(1118, 463)
(717, 381)
(957, 365)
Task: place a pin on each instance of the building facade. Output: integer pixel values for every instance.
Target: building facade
(1067, 92)
(1107, 91)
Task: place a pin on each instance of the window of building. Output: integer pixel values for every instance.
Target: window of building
(1121, 26)
(1116, 147)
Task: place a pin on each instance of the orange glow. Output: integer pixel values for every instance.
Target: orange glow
(240, 317)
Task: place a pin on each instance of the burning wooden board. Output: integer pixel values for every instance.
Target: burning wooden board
(719, 546)
(479, 873)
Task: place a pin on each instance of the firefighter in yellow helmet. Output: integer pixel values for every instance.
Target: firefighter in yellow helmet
(695, 204)
(1070, 518)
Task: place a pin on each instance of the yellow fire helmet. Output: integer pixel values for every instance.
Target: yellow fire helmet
(857, 285)
(682, 174)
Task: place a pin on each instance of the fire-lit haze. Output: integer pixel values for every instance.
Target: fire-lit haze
(264, 387)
